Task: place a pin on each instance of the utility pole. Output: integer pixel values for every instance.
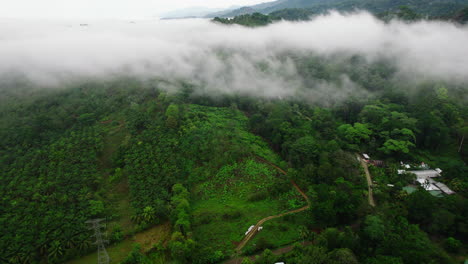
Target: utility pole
(103, 257)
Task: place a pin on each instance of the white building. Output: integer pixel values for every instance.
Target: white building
(425, 179)
(424, 174)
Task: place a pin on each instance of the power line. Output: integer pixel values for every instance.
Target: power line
(103, 257)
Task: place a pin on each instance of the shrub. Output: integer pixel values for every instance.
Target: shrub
(231, 214)
(452, 245)
(257, 196)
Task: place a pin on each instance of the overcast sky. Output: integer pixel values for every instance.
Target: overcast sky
(96, 9)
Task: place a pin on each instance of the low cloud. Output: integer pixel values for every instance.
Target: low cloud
(220, 58)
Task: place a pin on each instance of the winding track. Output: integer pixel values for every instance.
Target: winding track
(254, 231)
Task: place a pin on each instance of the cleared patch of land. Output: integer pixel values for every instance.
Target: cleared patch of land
(255, 229)
(237, 197)
(118, 252)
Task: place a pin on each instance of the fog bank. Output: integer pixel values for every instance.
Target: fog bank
(229, 58)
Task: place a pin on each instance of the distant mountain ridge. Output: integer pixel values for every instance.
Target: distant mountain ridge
(195, 11)
(425, 7)
(237, 12)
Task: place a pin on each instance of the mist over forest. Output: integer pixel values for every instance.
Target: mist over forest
(298, 136)
(225, 60)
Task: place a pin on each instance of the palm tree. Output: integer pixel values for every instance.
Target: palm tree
(55, 250)
(21, 258)
(148, 214)
(304, 232)
(84, 244)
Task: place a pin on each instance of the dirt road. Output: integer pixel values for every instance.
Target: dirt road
(369, 180)
(254, 231)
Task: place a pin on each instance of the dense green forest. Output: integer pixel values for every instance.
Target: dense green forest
(404, 13)
(142, 156)
(181, 174)
(424, 7)
(259, 19)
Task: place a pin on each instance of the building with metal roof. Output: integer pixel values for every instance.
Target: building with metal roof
(423, 174)
(424, 178)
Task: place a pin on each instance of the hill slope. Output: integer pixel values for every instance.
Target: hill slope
(425, 7)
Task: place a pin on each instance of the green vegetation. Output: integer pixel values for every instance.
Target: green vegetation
(461, 16)
(279, 232)
(184, 174)
(403, 12)
(425, 8)
(255, 19)
(258, 19)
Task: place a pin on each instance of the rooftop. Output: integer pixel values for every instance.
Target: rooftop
(423, 174)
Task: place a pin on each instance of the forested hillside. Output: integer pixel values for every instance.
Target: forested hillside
(291, 134)
(404, 13)
(427, 8)
(259, 19)
(140, 156)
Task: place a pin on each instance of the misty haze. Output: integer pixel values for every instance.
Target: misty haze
(289, 131)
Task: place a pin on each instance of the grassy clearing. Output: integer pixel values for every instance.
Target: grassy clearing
(118, 252)
(238, 196)
(230, 197)
(239, 180)
(277, 232)
(220, 226)
(148, 238)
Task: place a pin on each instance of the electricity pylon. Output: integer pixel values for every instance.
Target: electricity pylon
(103, 257)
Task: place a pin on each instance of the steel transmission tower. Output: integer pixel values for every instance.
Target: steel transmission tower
(103, 257)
